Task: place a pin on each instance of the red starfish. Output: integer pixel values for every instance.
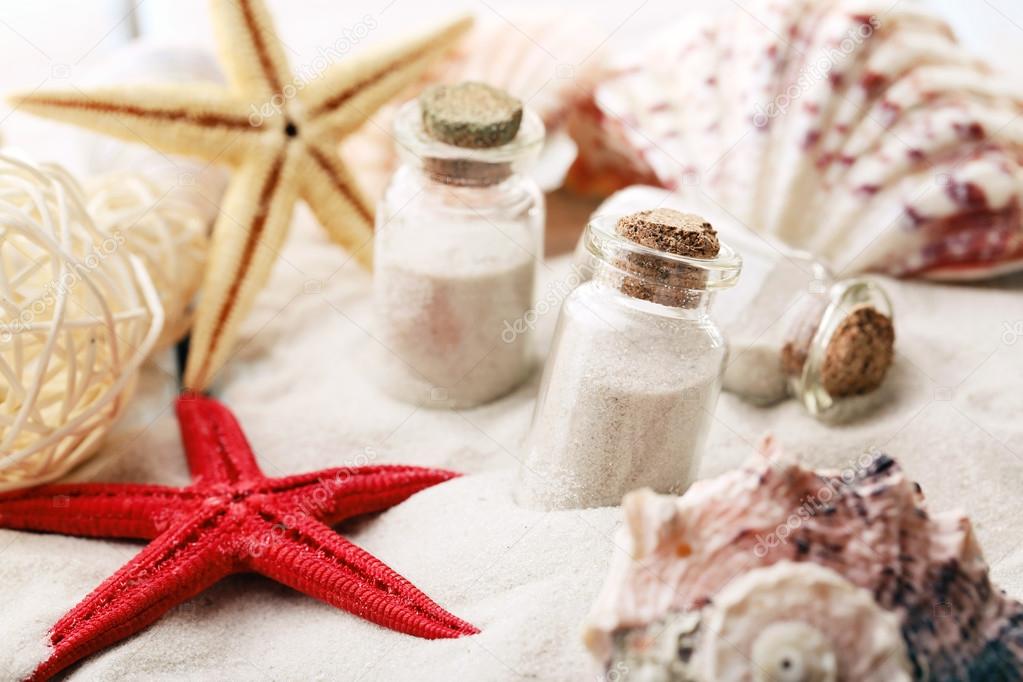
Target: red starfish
(231, 519)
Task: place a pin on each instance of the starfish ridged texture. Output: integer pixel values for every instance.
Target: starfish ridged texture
(231, 519)
(280, 133)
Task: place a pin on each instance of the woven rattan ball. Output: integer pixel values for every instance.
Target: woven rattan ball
(80, 315)
(164, 231)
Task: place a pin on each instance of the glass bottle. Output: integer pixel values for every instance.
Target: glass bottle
(633, 376)
(813, 328)
(787, 297)
(788, 325)
(459, 235)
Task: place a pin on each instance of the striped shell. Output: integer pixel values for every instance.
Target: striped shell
(856, 129)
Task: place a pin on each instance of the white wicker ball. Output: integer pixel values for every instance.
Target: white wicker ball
(164, 230)
(79, 316)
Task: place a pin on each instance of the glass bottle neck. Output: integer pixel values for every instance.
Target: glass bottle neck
(465, 167)
(465, 172)
(649, 296)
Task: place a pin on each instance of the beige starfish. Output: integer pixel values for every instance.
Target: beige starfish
(280, 134)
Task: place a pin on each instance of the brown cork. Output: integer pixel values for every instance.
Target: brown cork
(665, 229)
(661, 280)
(474, 116)
(470, 114)
(800, 335)
(793, 357)
(858, 355)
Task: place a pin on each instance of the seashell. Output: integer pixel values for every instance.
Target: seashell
(798, 622)
(860, 132)
(864, 527)
(546, 58)
(790, 622)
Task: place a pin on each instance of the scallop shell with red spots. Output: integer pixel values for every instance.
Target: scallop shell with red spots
(857, 129)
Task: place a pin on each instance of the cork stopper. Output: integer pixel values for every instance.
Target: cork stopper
(472, 115)
(858, 355)
(661, 280)
(665, 229)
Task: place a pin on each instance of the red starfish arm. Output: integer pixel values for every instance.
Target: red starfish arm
(176, 566)
(313, 559)
(333, 495)
(94, 509)
(215, 444)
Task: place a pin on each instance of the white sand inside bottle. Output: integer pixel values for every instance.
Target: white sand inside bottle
(443, 293)
(624, 408)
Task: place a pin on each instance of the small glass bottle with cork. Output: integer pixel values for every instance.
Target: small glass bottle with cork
(630, 387)
(795, 329)
(459, 236)
(805, 334)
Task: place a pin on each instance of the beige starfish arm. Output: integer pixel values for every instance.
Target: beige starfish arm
(202, 120)
(349, 92)
(247, 238)
(249, 48)
(338, 202)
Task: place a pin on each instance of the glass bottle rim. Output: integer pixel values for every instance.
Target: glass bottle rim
(603, 242)
(842, 296)
(415, 144)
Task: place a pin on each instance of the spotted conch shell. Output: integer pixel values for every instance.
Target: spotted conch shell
(727, 573)
(858, 130)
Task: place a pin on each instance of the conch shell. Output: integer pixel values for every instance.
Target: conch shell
(854, 129)
(799, 622)
(755, 559)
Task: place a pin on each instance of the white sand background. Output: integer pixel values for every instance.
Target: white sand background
(951, 415)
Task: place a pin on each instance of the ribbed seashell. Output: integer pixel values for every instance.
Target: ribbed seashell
(851, 128)
(866, 524)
